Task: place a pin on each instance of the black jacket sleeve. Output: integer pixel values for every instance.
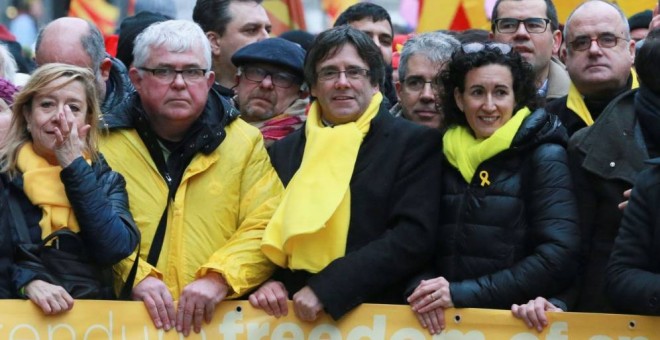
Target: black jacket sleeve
(633, 272)
(100, 203)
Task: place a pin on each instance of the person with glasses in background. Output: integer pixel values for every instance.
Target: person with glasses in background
(509, 229)
(270, 89)
(200, 179)
(360, 208)
(532, 28)
(422, 58)
(599, 55)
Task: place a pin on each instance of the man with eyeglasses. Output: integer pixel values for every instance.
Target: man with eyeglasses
(422, 58)
(199, 181)
(230, 25)
(599, 55)
(270, 90)
(607, 155)
(532, 28)
(361, 205)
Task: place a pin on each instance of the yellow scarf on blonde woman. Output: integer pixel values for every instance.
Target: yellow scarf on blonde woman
(466, 153)
(310, 227)
(575, 100)
(43, 186)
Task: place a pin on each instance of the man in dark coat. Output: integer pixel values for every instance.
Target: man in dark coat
(365, 185)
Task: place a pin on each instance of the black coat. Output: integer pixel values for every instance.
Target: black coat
(605, 159)
(633, 272)
(517, 237)
(394, 214)
(100, 203)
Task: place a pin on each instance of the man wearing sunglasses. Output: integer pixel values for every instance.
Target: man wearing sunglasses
(531, 27)
(270, 92)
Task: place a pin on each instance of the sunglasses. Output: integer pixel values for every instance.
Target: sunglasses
(475, 47)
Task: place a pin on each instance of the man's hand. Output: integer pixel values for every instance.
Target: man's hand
(158, 300)
(52, 299)
(307, 305)
(533, 312)
(626, 196)
(272, 297)
(431, 294)
(198, 301)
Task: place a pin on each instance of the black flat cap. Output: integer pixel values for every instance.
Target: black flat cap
(273, 51)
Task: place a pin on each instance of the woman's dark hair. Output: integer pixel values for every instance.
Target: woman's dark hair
(474, 55)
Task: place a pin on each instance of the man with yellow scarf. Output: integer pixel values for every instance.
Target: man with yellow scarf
(599, 55)
(360, 207)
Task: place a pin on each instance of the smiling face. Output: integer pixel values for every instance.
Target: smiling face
(43, 114)
(343, 100)
(488, 99)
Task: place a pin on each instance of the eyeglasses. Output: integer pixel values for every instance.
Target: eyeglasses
(605, 40)
(351, 73)
(279, 79)
(169, 74)
(532, 25)
(478, 47)
(417, 84)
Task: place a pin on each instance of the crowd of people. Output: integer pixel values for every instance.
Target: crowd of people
(208, 161)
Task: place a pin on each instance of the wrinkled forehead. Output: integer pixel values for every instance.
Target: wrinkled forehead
(595, 18)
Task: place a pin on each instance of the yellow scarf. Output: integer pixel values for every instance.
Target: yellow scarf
(43, 186)
(466, 153)
(310, 227)
(575, 101)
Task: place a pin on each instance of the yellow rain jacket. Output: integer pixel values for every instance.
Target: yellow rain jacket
(218, 215)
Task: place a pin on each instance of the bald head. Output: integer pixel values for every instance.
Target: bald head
(73, 41)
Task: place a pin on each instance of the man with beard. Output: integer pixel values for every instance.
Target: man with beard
(532, 28)
(270, 92)
(422, 58)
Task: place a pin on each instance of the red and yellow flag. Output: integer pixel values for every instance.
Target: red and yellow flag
(335, 7)
(103, 14)
(285, 15)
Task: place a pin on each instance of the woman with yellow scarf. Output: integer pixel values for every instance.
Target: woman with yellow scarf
(509, 230)
(52, 170)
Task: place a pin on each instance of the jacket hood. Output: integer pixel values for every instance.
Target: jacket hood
(118, 88)
(540, 128)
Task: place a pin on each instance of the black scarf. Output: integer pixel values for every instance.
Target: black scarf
(647, 107)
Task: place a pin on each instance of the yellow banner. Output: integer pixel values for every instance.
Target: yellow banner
(115, 320)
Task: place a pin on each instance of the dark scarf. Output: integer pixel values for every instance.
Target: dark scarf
(647, 107)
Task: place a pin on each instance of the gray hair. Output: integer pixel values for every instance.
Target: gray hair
(436, 46)
(624, 20)
(8, 63)
(176, 36)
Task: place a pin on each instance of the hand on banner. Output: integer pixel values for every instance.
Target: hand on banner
(429, 301)
(158, 300)
(307, 305)
(272, 297)
(52, 299)
(533, 312)
(198, 300)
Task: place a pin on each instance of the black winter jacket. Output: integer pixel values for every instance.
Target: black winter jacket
(100, 203)
(118, 88)
(517, 237)
(633, 272)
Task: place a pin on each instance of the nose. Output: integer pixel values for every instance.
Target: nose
(178, 81)
(522, 30)
(489, 104)
(342, 81)
(594, 48)
(427, 92)
(263, 34)
(267, 82)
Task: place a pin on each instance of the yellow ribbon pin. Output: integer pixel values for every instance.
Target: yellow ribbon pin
(484, 178)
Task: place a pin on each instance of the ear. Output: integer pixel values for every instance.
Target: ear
(632, 49)
(397, 87)
(214, 39)
(134, 75)
(104, 68)
(210, 79)
(556, 41)
(563, 53)
(458, 97)
(491, 36)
